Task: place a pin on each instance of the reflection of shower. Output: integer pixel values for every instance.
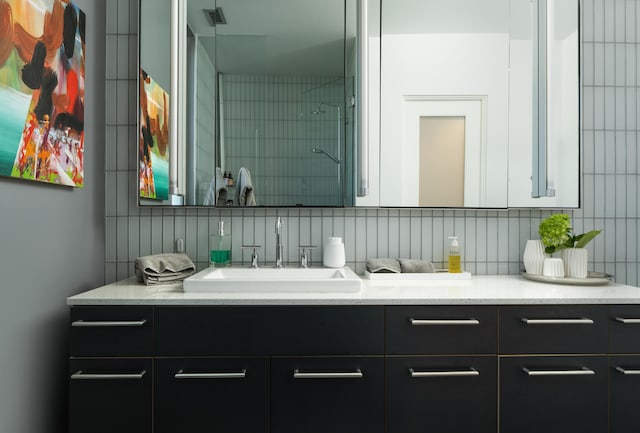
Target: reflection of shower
(335, 159)
(331, 157)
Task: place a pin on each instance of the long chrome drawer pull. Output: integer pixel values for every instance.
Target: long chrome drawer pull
(627, 321)
(581, 321)
(582, 372)
(428, 322)
(625, 371)
(108, 376)
(239, 375)
(82, 323)
(297, 374)
(452, 373)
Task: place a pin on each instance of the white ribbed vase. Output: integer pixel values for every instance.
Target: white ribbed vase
(575, 262)
(533, 257)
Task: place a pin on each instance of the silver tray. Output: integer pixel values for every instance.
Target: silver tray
(593, 279)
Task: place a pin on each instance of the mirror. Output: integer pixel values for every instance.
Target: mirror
(461, 103)
(460, 114)
(269, 111)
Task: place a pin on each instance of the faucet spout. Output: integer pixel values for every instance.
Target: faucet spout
(279, 247)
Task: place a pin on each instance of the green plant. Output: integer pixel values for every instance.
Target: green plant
(557, 234)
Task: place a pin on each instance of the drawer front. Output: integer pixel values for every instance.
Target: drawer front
(553, 329)
(624, 372)
(111, 331)
(203, 394)
(449, 394)
(243, 331)
(553, 394)
(441, 330)
(319, 395)
(110, 395)
(624, 329)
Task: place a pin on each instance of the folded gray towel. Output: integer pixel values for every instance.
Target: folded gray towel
(163, 268)
(416, 266)
(389, 266)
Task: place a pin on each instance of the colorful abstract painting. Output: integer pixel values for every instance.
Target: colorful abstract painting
(153, 142)
(42, 65)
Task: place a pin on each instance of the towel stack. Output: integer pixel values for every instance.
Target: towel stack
(163, 268)
(397, 266)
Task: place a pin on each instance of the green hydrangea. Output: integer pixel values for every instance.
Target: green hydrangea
(555, 231)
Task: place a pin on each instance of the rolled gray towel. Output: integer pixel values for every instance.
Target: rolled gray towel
(389, 266)
(416, 266)
(163, 268)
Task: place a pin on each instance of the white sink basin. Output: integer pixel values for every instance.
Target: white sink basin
(276, 280)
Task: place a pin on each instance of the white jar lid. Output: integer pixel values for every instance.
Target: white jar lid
(335, 240)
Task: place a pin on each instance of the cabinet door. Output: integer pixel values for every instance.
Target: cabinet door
(217, 395)
(445, 394)
(319, 395)
(110, 395)
(625, 386)
(553, 394)
(624, 329)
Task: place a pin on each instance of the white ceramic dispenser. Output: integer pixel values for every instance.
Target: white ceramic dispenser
(333, 253)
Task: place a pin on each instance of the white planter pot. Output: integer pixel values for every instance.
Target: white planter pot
(553, 267)
(533, 257)
(575, 262)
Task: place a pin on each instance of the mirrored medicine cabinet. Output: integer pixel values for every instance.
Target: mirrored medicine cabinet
(377, 103)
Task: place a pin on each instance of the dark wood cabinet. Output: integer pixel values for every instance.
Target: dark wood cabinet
(228, 395)
(346, 368)
(110, 395)
(333, 394)
(449, 394)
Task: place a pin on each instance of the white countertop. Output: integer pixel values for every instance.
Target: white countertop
(483, 289)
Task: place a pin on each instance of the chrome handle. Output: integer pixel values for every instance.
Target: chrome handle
(581, 321)
(629, 372)
(236, 375)
(450, 373)
(627, 321)
(107, 323)
(584, 371)
(297, 374)
(108, 376)
(429, 322)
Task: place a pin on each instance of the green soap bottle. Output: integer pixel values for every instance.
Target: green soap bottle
(220, 248)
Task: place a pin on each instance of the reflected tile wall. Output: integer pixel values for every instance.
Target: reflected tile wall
(492, 241)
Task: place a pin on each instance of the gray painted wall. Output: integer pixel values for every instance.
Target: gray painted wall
(51, 246)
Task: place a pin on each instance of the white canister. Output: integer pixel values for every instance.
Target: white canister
(333, 253)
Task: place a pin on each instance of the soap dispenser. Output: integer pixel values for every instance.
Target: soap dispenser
(454, 256)
(220, 248)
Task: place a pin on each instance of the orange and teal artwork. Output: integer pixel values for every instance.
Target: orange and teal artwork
(42, 70)
(153, 140)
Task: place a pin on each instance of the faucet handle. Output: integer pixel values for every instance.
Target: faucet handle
(304, 259)
(254, 254)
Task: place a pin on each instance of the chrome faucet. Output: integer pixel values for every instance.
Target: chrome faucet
(279, 247)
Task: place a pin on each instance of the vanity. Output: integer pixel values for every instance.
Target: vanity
(496, 353)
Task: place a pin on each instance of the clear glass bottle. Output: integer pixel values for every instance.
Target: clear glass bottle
(220, 248)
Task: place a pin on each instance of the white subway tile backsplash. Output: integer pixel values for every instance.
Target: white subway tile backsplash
(492, 242)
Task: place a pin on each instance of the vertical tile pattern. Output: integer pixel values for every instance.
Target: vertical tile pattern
(492, 241)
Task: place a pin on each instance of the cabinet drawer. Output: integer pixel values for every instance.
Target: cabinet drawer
(110, 395)
(624, 329)
(449, 394)
(319, 395)
(553, 394)
(441, 330)
(242, 331)
(552, 329)
(203, 394)
(624, 374)
(111, 331)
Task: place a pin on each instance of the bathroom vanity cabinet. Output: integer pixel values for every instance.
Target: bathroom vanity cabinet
(242, 366)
